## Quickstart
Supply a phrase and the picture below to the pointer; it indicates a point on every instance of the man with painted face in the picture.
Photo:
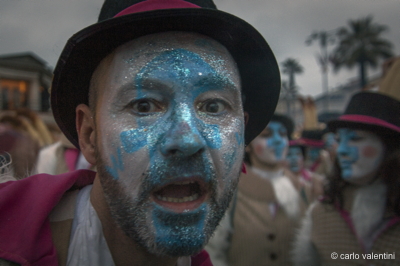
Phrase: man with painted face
(152, 96)
(267, 207)
(357, 222)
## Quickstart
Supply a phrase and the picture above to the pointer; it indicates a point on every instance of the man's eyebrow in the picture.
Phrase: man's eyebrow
(125, 89)
(214, 82)
(133, 86)
(217, 82)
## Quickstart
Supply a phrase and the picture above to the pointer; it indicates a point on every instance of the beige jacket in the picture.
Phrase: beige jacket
(265, 216)
(327, 229)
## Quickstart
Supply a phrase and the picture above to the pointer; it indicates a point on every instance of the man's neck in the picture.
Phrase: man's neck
(123, 249)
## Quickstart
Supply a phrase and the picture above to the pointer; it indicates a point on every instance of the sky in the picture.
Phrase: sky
(44, 26)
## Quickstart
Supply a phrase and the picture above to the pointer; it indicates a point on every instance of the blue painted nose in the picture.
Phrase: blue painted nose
(183, 139)
(343, 147)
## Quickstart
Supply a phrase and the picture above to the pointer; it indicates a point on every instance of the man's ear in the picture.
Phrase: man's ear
(85, 126)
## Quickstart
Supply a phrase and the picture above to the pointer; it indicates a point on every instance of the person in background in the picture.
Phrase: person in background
(19, 144)
(61, 157)
(360, 211)
(43, 133)
(312, 183)
(260, 226)
(317, 159)
(330, 144)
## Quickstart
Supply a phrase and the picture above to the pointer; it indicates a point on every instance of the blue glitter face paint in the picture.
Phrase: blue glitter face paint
(271, 145)
(169, 227)
(330, 141)
(360, 153)
(295, 159)
(313, 154)
(117, 164)
(173, 116)
(347, 155)
(278, 141)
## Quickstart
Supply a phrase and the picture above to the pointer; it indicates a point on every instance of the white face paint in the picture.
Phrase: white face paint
(271, 146)
(170, 132)
(360, 153)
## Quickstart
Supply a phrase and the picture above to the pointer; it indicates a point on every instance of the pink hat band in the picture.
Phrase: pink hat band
(369, 120)
(151, 5)
(296, 142)
(313, 143)
(370, 110)
(307, 142)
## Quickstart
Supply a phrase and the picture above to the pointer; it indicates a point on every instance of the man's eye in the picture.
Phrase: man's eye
(213, 107)
(145, 106)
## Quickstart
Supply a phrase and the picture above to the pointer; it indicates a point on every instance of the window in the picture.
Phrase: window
(14, 94)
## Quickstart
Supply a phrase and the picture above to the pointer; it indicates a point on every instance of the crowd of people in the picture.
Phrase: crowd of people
(29, 146)
(170, 152)
(289, 210)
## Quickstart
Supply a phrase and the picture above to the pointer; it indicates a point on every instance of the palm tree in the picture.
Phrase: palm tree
(361, 44)
(291, 67)
(324, 38)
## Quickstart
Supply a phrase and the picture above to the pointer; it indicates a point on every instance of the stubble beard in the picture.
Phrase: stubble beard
(135, 216)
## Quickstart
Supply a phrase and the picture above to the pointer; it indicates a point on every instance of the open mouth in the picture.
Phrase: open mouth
(181, 196)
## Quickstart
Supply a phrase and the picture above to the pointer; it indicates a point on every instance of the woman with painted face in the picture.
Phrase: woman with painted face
(267, 207)
(311, 183)
(357, 222)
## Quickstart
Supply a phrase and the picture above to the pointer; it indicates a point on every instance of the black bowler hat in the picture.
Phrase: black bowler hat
(370, 111)
(127, 20)
(312, 138)
(286, 121)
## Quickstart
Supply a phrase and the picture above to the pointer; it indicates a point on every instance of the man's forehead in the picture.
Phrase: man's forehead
(147, 47)
(130, 58)
(165, 40)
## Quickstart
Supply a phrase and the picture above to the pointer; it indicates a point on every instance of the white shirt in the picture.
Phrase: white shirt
(87, 244)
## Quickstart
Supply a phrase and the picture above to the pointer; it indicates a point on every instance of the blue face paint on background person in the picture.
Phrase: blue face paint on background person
(172, 148)
(278, 140)
(313, 154)
(330, 141)
(270, 147)
(360, 153)
(295, 159)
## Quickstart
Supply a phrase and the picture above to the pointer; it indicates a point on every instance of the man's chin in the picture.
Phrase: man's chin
(180, 234)
(166, 227)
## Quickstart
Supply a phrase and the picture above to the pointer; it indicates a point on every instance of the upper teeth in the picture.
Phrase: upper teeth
(184, 182)
(184, 199)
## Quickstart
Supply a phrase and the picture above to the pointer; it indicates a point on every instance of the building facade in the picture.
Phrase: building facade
(328, 105)
(24, 82)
